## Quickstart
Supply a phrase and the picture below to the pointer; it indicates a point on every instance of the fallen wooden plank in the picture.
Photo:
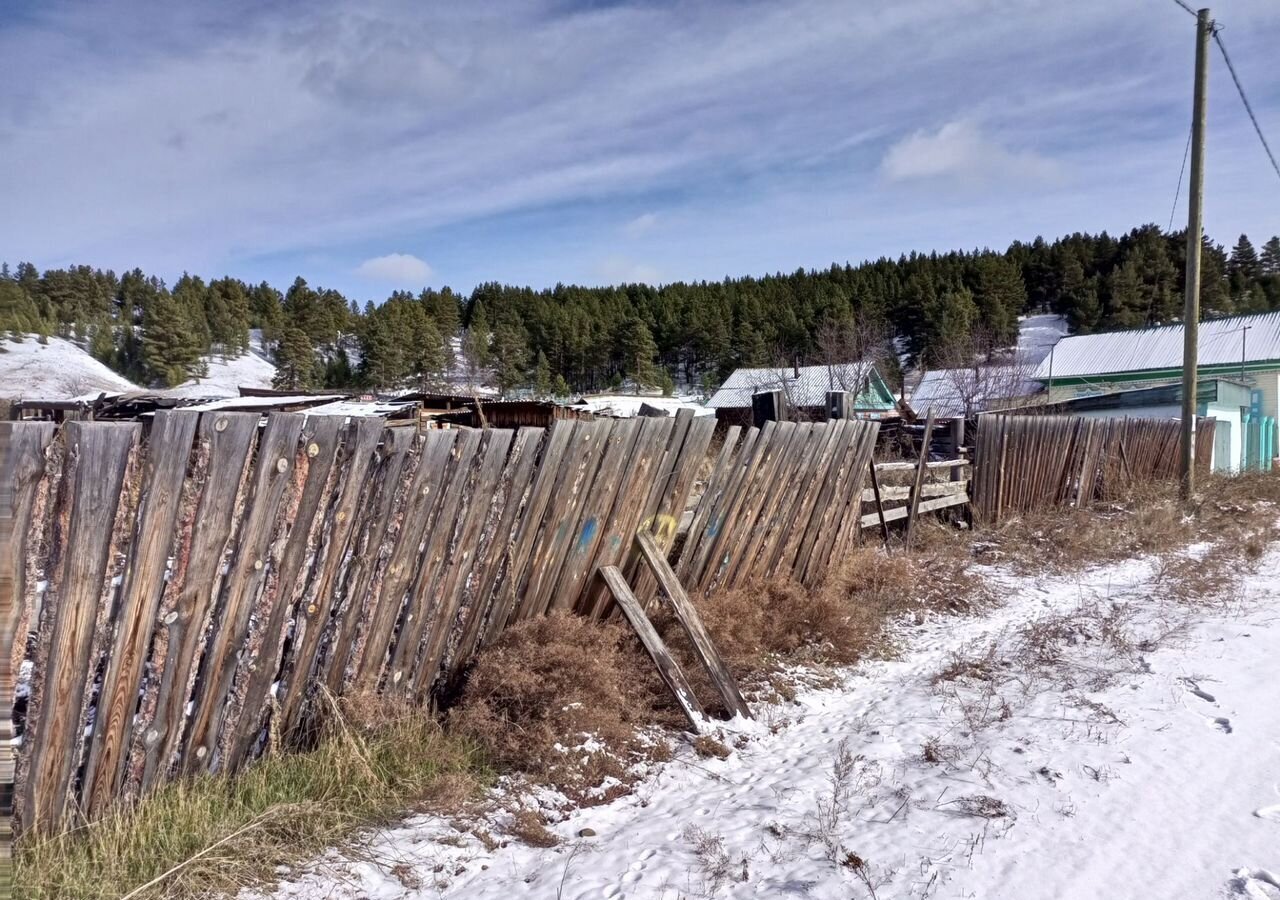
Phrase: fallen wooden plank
(653, 644)
(691, 622)
(892, 515)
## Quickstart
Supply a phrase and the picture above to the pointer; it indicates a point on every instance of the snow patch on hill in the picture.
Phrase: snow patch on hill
(57, 370)
(226, 375)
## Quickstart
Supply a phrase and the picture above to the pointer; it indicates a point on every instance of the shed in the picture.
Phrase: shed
(805, 391)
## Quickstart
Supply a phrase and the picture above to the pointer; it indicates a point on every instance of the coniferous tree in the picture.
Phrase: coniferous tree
(636, 351)
(171, 347)
(509, 352)
(295, 361)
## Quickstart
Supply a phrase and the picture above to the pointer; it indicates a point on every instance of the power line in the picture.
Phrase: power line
(1181, 172)
(1184, 6)
(1239, 87)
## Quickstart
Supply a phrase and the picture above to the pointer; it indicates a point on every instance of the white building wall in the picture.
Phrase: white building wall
(1174, 411)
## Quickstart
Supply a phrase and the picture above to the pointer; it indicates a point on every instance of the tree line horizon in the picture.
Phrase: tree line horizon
(939, 309)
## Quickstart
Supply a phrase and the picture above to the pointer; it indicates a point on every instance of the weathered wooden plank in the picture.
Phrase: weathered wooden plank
(433, 486)
(913, 505)
(261, 660)
(168, 452)
(815, 484)
(841, 522)
(788, 478)
(209, 520)
(592, 522)
(368, 553)
(808, 531)
(481, 601)
(903, 492)
(320, 599)
(701, 528)
(755, 451)
(273, 472)
(582, 459)
(452, 552)
(764, 491)
(97, 457)
(893, 515)
(628, 511)
(23, 462)
(654, 646)
(687, 615)
(515, 562)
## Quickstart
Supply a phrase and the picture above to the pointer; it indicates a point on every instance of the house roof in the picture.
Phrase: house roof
(804, 386)
(1148, 349)
(949, 393)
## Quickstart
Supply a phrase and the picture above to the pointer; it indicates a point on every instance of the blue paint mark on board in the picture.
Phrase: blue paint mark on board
(588, 532)
(714, 528)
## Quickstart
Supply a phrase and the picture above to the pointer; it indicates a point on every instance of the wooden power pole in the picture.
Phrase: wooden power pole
(1195, 228)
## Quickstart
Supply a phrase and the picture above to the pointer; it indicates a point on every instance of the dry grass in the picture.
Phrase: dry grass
(212, 836)
(555, 699)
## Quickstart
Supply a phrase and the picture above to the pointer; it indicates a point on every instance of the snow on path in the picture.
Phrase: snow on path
(1153, 772)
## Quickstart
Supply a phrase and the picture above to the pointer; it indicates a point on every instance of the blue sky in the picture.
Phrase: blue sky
(399, 144)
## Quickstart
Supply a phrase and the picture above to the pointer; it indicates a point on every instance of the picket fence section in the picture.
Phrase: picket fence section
(192, 589)
(1024, 463)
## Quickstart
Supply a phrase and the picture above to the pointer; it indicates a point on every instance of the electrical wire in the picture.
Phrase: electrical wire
(1181, 172)
(1187, 8)
(1243, 98)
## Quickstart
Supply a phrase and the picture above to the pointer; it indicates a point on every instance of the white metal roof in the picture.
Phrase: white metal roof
(948, 393)
(1161, 348)
(807, 388)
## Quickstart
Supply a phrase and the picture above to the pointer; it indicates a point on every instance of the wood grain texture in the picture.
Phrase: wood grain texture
(670, 671)
(97, 456)
(23, 462)
(227, 440)
(318, 607)
(285, 583)
(168, 452)
(273, 472)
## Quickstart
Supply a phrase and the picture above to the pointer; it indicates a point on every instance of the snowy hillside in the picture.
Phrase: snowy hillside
(57, 370)
(226, 376)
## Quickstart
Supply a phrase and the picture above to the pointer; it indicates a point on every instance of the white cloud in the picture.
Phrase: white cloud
(959, 151)
(640, 225)
(620, 270)
(396, 268)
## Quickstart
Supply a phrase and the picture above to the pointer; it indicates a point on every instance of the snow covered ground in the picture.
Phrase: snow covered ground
(57, 370)
(1091, 737)
(1037, 335)
(627, 405)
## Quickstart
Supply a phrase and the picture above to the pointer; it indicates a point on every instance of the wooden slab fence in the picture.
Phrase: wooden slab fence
(195, 588)
(1028, 463)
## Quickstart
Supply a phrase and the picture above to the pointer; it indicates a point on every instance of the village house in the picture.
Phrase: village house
(804, 390)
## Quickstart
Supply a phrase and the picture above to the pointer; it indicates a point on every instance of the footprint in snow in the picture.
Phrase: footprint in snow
(1222, 723)
(1268, 812)
(1195, 689)
(1250, 883)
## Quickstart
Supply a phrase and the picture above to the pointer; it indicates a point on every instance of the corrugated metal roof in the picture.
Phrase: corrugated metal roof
(1161, 348)
(948, 393)
(806, 386)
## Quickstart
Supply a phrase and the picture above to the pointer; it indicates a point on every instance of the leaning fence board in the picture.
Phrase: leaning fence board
(440, 454)
(451, 563)
(208, 522)
(691, 622)
(316, 606)
(23, 462)
(358, 598)
(97, 457)
(273, 473)
(262, 657)
(168, 451)
(653, 644)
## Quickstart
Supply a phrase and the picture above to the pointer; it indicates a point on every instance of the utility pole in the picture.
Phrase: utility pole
(1195, 227)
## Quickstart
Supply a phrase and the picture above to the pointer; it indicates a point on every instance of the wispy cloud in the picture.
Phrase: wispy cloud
(401, 269)
(960, 152)
(640, 225)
